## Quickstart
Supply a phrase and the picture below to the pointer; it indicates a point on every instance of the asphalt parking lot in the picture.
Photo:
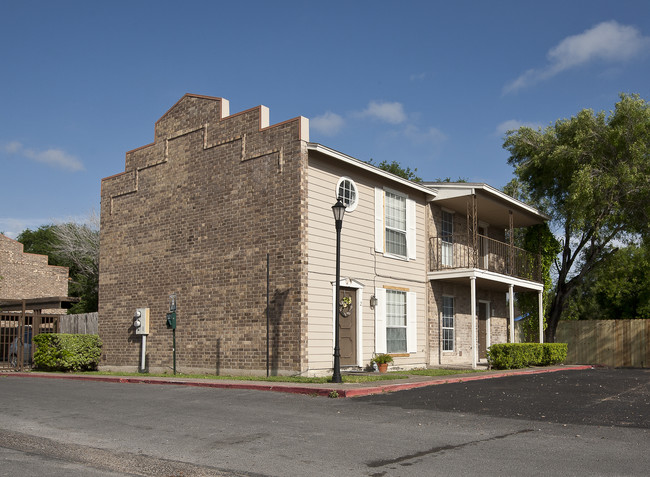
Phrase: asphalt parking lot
(568, 422)
(599, 397)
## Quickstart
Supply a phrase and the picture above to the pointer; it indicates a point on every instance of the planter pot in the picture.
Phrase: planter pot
(383, 367)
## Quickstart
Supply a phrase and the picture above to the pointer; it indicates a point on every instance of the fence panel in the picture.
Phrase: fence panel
(83, 324)
(617, 343)
(16, 334)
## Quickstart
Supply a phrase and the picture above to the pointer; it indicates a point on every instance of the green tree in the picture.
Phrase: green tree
(448, 180)
(394, 167)
(42, 241)
(591, 175)
(617, 289)
(73, 245)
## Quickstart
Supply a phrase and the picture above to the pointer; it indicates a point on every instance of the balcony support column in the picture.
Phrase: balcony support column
(540, 304)
(511, 239)
(472, 229)
(472, 281)
(511, 304)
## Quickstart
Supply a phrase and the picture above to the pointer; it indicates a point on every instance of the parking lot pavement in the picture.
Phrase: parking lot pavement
(50, 426)
(599, 396)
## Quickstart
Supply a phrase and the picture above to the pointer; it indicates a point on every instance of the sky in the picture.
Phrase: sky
(433, 85)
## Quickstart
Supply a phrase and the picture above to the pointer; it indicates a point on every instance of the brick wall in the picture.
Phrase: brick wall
(27, 275)
(463, 324)
(195, 214)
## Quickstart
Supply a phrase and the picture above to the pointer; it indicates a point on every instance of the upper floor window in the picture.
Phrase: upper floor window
(395, 224)
(346, 190)
(446, 233)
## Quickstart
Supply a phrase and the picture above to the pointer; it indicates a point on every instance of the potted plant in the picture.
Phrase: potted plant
(382, 361)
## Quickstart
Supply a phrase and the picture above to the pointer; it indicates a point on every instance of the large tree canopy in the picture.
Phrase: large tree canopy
(73, 245)
(396, 168)
(618, 288)
(591, 175)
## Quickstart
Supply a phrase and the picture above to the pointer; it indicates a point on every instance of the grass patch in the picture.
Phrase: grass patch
(347, 378)
(440, 372)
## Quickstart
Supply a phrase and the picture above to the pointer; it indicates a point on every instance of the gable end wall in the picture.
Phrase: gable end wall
(195, 214)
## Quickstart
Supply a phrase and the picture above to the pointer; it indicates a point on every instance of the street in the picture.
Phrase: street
(502, 426)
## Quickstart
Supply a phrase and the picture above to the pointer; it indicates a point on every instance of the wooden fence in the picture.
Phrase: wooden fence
(84, 324)
(617, 343)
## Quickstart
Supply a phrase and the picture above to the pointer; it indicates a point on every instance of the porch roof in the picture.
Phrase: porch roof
(486, 279)
(493, 205)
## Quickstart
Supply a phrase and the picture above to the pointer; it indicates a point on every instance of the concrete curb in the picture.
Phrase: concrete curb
(341, 390)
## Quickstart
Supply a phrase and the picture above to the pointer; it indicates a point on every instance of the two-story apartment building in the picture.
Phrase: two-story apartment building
(196, 212)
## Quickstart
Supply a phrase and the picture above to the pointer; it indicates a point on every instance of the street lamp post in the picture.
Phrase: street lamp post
(339, 211)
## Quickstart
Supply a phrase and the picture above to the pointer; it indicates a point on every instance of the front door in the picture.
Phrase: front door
(348, 327)
(482, 329)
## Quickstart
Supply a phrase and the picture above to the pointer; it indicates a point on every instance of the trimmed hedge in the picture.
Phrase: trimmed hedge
(66, 352)
(522, 355)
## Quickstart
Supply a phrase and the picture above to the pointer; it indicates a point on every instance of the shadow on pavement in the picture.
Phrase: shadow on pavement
(599, 397)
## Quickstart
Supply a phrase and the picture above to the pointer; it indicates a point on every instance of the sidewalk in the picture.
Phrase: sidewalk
(314, 389)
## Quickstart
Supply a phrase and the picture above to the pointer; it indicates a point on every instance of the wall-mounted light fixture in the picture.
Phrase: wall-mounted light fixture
(373, 301)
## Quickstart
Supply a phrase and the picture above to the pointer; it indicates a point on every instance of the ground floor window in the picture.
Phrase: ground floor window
(395, 321)
(447, 323)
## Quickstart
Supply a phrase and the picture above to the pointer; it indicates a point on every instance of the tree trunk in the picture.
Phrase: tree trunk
(555, 312)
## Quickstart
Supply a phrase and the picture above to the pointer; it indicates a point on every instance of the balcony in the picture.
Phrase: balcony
(458, 252)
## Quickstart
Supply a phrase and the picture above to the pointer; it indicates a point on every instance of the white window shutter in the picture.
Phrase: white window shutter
(411, 323)
(410, 228)
(380, 321)
(379, 219)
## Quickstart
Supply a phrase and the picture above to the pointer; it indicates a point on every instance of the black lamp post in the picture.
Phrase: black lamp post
(339, 212)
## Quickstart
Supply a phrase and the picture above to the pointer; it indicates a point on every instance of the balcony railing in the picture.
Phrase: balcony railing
(457, 251)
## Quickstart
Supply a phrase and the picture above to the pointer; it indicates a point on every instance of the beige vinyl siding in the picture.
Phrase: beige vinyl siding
(359, 261)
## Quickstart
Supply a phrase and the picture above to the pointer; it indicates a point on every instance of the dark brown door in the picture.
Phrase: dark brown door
(482, 330)
(348, 327)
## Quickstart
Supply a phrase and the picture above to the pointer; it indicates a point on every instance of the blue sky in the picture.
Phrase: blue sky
(431, 84)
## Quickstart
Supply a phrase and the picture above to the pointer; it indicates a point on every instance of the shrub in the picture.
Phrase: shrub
(65, 352)
(521, 355)
(382, 358)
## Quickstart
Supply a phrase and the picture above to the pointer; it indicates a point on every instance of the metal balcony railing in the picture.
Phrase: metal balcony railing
(457, 251)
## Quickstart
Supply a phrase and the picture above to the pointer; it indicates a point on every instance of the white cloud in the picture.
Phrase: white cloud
(51, 157)
(328, 124)
(513, 124)
(607, 41)
(392, 113)
(418, 77)
(429, 135)
(11, 227)
(13, 147)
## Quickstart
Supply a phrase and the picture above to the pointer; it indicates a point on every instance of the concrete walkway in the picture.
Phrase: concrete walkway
(315, 389)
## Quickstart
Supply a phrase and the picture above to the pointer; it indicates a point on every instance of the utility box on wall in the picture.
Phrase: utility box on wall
(141, 321)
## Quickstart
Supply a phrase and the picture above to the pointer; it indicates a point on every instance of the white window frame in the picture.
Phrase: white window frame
(353, 205)
(402, 317)
(380, 321)
(443, 328)
(380, 224)
(447, 239)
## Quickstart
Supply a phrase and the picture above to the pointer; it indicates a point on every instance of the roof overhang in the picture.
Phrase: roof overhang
(312, 146)
(493, 205)
(486, 280)
(46, 303)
